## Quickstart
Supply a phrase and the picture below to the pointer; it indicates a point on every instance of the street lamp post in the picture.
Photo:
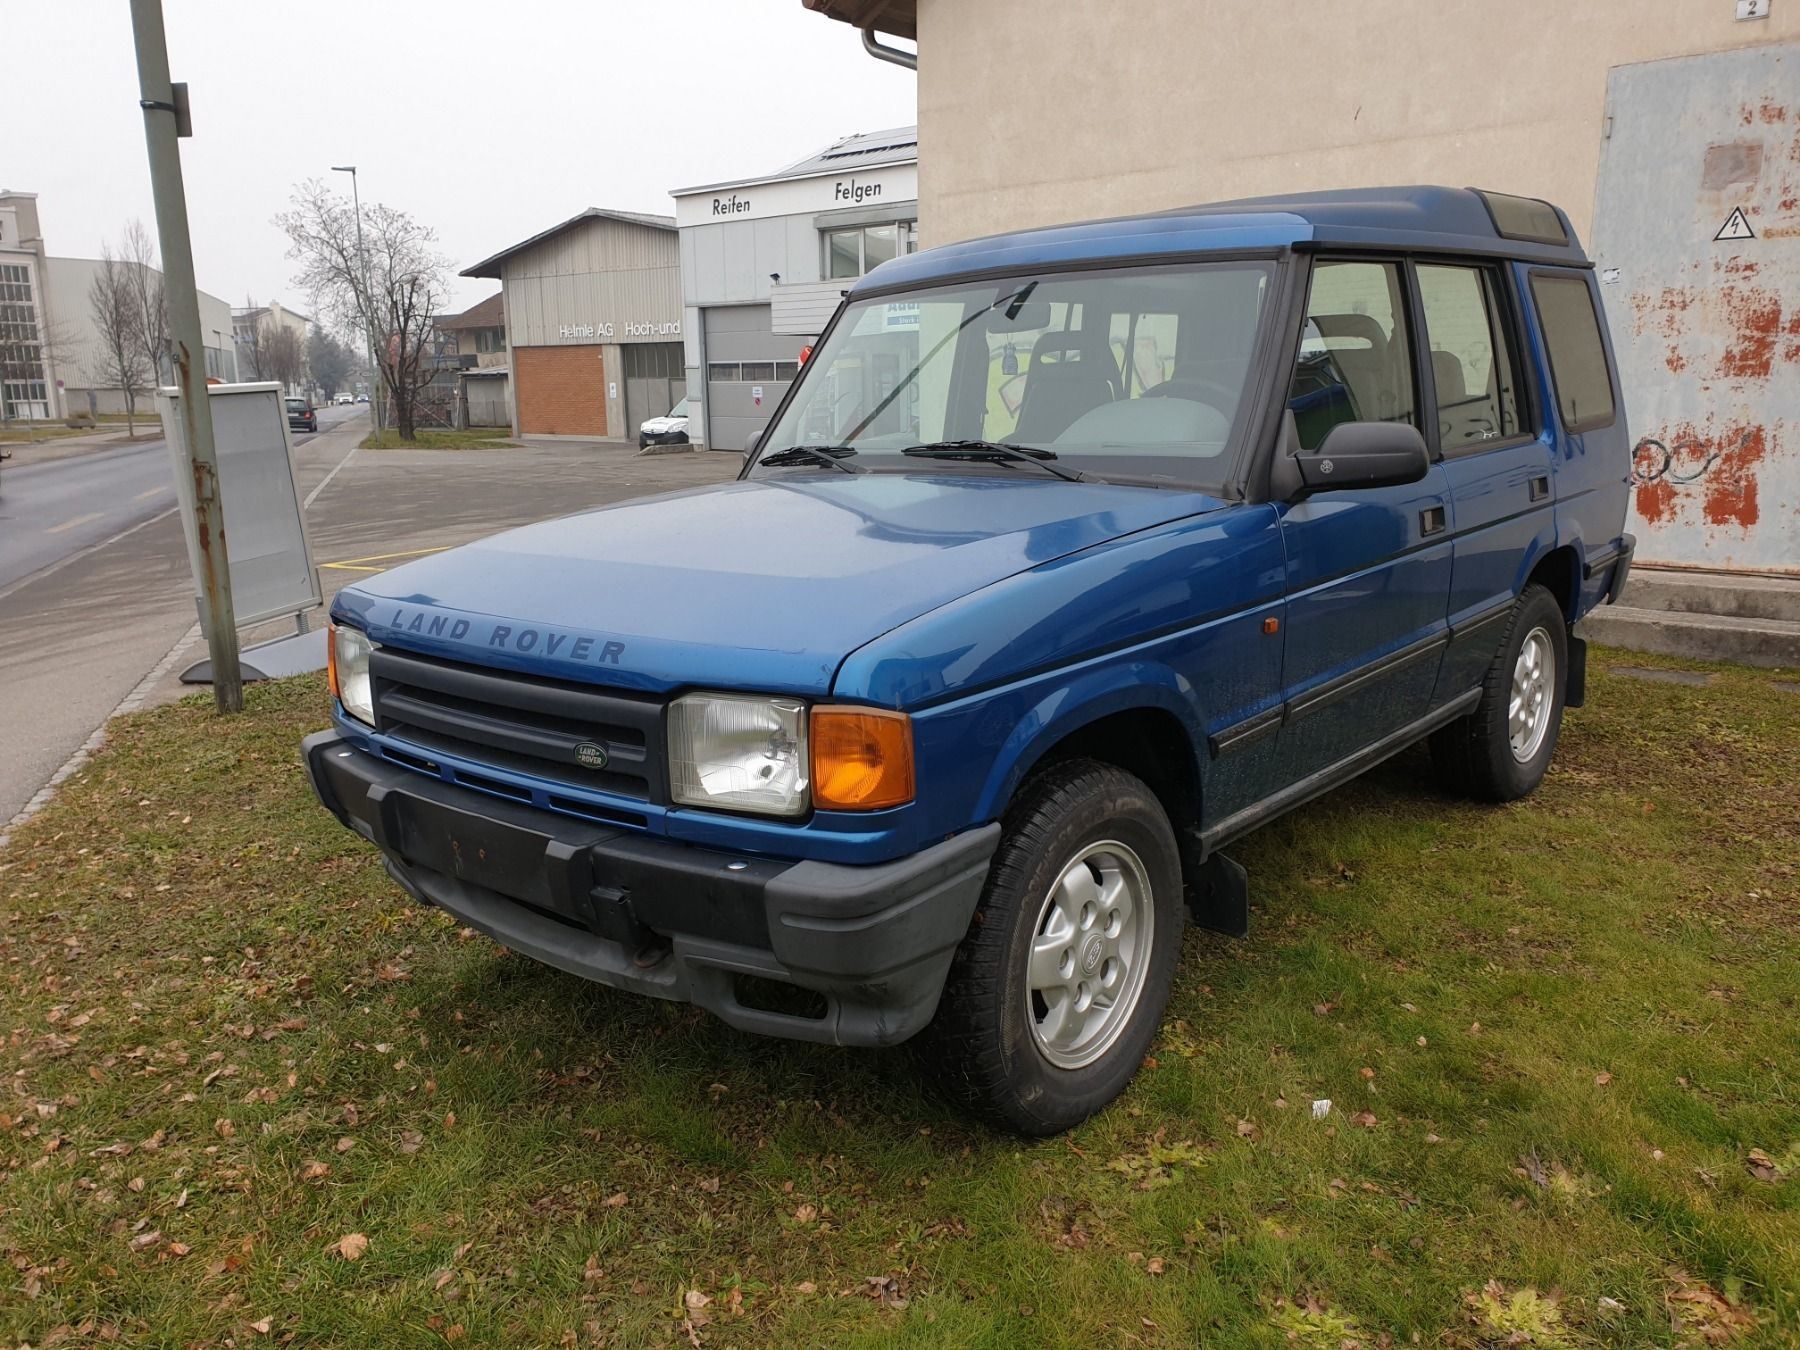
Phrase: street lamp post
(368, 305)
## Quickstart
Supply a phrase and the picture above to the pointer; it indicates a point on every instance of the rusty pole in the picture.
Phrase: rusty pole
(165, 120)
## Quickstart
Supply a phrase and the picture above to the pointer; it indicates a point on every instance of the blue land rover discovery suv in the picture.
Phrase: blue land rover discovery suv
(1073, 555)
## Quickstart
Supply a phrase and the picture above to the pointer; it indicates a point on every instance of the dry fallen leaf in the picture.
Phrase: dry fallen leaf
(1155, 1265)
(351, 1246)
(806, 1213)
(345, 1144)
(1366, 1119)
(224, 1128)
(261, 1328)
(617, 1200)
(1602, 1078)
(1761, 1166)
(1247, 1129)
(806, 1287)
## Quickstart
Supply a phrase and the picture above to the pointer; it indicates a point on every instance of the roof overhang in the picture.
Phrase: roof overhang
(898, 18)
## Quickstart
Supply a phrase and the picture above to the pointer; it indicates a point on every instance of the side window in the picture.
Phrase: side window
(1473, 365)
(1355, 361)
(1565, 308)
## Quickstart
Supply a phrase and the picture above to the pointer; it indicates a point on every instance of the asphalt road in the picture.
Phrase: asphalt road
(51, 510)
(111, 597)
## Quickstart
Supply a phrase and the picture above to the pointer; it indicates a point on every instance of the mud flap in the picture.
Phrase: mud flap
(1219, 896)
(1575, 687)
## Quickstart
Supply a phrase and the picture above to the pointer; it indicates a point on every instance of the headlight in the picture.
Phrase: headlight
(348, 671)
(738, 752)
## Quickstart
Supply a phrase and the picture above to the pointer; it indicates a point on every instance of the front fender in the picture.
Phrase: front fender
(1115, 688)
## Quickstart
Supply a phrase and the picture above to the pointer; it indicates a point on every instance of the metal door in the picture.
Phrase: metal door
(1697, 238)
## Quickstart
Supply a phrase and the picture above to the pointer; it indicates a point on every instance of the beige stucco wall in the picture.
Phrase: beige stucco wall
(1033, 112)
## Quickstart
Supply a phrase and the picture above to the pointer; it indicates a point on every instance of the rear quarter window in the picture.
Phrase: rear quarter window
(1578, 369)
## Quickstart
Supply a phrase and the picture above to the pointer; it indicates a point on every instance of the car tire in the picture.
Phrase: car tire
(1079, 834)
(1501, 751)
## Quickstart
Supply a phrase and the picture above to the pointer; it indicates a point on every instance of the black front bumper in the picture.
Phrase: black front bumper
(648, 438)
(668, 919)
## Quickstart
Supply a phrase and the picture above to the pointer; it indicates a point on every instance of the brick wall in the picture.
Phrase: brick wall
(561, 390)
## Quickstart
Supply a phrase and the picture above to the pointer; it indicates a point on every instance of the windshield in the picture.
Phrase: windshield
(296, 403)
(1131, 373)
(679, 410)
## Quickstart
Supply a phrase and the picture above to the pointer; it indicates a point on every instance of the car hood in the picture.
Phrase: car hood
(664, 424)
(764, 583)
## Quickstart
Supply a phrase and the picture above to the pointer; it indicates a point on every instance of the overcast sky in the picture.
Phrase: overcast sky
(489, 121)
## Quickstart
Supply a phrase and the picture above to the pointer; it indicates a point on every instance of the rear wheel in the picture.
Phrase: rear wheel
(1501, 750)
(1056, 992)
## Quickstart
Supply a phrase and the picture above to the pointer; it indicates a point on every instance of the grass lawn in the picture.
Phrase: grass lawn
(253, 1092)
(437, 438)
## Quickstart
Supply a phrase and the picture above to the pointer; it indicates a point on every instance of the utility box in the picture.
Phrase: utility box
(272, 572)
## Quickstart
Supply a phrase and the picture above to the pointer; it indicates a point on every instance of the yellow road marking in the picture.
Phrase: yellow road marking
(360, 564)
(150, 493)
(71, 524)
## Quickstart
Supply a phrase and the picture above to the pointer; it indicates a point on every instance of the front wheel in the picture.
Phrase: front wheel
(1501, 750)
(1054, 996)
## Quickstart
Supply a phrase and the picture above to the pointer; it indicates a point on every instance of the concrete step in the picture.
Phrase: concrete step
(1693, 592)
(1703, 637)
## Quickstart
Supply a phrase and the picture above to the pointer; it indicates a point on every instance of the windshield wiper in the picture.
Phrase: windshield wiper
(830, 456)
(994, 452)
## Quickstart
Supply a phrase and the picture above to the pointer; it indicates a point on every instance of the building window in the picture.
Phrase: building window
(787, 370)
(758, 370)
(850, 253)
(24, 384)
(721, 370)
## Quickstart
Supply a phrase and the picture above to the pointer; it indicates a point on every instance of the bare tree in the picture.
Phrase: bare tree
(146, 288)
(283, 355)
(389, 289)
(253, 358)
(119, 351)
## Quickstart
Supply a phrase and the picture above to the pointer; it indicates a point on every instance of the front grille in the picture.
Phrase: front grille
(530, 726)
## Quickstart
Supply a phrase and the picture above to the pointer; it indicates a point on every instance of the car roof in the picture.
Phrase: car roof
(1425, 219)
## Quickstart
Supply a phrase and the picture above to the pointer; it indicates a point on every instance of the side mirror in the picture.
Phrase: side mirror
(754, 441)
(1364, 455)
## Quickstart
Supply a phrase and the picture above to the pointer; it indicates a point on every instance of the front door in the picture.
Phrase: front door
(1368, 571)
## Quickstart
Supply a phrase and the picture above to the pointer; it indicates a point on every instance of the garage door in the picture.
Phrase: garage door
(748, 369)
(562, 390)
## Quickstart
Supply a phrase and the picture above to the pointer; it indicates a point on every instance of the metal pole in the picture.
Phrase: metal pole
(164, 119)
(368, 306)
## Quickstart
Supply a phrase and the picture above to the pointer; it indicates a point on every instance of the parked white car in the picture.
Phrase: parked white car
(671, 429)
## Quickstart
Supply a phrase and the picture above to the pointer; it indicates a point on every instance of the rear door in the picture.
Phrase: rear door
(1368, 570)
(1498, 464)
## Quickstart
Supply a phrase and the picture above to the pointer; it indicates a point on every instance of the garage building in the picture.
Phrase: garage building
(593, 316)
(765, 260)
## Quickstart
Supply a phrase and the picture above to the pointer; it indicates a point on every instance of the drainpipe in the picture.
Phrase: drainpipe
(882, 52)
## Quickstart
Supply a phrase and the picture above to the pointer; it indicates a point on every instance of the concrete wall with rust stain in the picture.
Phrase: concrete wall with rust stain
(1707, 329)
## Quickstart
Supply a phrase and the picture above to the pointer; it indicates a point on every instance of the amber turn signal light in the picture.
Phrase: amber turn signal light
(862, 758)
(331, 680)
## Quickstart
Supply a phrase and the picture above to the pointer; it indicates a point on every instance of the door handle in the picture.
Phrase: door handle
(1540, 487)
(1431, 520)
